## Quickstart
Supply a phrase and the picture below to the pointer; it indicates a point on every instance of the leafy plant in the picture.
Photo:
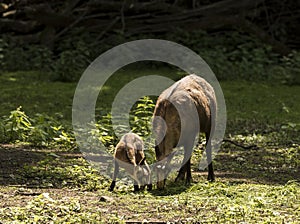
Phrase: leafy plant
(44, 130)
(140, 122)
(104, 131)
(17, 126)
(140, 117)
(292, 68)
(40, 130)
(64, 139)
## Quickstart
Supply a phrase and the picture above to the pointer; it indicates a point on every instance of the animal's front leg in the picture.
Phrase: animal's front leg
(149, 184)
(116, 172)
(135, 186)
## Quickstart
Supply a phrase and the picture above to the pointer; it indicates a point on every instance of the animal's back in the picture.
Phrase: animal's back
(190, 88)
(188, 83)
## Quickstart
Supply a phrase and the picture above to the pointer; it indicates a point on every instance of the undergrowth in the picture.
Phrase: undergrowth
(231, 56)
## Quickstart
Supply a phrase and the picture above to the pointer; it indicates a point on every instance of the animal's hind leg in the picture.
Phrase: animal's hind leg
(188, 172)
(211, 175)
(186, 168)
(116, 172)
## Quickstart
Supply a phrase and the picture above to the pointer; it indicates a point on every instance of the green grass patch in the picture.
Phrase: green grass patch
(202, 202)
(36, 94)
(267, 101)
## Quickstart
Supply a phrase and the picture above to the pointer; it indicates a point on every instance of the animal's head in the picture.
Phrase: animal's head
(162, 168)
(142, 174)
(162, 172)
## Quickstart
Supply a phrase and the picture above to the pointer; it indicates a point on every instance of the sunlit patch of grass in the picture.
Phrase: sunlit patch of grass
(260, 102)
(60, 172)
(36, 94)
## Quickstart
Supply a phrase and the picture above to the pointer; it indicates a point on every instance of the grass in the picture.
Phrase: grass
(213, 203)
(270, 102)
(36, 94)
(256, 185)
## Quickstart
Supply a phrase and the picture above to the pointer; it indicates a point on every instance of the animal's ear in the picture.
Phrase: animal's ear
(142, 161)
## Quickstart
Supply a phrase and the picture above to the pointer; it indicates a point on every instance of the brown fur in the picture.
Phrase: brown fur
(129, 154)
(188, 93)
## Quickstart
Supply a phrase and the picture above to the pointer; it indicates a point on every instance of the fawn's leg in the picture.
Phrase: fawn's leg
(116, 172)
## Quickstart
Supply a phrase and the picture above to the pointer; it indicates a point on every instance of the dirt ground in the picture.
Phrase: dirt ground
(15, 191)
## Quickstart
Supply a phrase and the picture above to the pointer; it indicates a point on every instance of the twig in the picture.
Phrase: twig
(122, 16)
(71, 25)
(108, 28)
(28, 193)
(240, 145)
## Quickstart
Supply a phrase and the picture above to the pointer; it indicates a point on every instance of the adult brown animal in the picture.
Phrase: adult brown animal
(186, 108)
(129, 154)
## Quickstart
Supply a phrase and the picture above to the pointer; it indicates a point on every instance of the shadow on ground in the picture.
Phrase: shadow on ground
(14, 159)
(239, 166)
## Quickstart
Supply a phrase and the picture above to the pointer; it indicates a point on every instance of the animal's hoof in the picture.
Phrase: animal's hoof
(111, 188)
(136, 188)
(112, 185)
(180, 177)
(211, 178)
(149, 187)
(188, 182)
(160, 185)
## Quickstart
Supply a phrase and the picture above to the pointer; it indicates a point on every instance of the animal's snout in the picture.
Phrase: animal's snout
(162, 171)
(142, 175)
(160, 184)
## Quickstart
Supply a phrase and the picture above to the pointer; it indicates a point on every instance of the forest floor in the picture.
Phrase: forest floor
(258, 185)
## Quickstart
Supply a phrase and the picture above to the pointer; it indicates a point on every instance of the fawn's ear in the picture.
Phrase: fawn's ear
(142, 161)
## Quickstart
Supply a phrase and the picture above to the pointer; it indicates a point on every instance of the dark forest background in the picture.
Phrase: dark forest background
(63, 37)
